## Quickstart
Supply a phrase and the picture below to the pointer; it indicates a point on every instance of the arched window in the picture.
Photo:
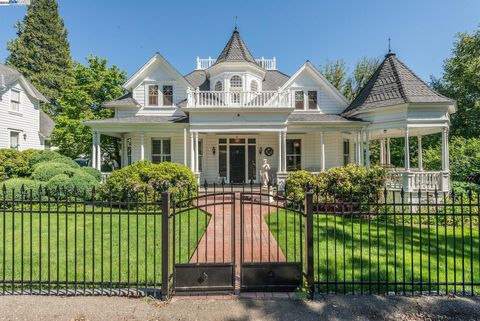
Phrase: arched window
(218, 86)
(236, 82)
(253, 86)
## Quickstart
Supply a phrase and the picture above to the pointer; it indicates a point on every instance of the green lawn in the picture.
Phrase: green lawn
(113, 246)
(394, 252)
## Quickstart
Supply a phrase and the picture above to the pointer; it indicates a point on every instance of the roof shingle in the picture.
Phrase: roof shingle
(235, 50)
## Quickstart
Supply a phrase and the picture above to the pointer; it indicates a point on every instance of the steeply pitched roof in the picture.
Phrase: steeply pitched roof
(235, 50)
(394, 83)
(124, 101)
(11, 75)
(46, 124)
(274, 79)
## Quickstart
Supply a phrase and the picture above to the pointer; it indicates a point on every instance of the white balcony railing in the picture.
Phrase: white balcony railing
(265, 63)
(238, 99)
(418, 180)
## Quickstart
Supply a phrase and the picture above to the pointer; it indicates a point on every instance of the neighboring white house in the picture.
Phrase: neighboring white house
(230, 113)
(23, 125)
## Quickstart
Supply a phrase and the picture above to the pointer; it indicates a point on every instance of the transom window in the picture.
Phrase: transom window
(15, 100)
(161, 150)
(294, 154)
(253, 86)
(153, 95)
(218, 86)
(14, 140)
(167, 95)
(299, 100)
(236, 82)
(312, 99)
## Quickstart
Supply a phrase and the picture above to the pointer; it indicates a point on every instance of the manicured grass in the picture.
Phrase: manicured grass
(94, 245)
(354, 251)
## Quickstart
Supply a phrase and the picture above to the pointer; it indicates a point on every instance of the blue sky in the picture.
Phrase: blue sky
(128, 33)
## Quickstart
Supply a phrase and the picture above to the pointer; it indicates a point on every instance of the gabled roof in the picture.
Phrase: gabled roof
(9, 75)
(393, 83)
(46, 124)
(124, 101)
(235, 50)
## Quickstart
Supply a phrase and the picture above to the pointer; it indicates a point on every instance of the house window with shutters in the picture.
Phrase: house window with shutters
(153, 95)
(161, 150)
(167, 95)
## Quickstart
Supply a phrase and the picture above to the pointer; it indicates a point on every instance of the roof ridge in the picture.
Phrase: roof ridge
(398, 81)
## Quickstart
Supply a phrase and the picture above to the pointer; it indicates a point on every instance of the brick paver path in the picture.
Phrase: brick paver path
(258, 243)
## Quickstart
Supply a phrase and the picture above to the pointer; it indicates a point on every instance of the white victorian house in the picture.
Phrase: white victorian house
(23, 125)
(230, 113)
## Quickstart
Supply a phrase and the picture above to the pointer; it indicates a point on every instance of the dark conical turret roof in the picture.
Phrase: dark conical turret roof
(235, 50)
(391, 84)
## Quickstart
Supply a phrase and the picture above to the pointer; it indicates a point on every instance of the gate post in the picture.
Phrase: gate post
(309, 239)
(165, 244)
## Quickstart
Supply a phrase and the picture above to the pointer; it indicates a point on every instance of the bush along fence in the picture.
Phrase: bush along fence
(378, 242)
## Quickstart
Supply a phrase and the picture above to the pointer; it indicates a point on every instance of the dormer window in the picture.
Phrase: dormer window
(236, 82)
(312, 99)
(167, 95)
(218, 86)
(153, 95)
(253, 86)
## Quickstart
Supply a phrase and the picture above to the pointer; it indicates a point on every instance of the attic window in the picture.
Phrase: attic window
(153, 95)
(299, 100)
(167, 95)
(236, 82)
(218, 86)
(253, 86)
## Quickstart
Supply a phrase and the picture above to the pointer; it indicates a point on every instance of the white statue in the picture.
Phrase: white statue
(264, 173)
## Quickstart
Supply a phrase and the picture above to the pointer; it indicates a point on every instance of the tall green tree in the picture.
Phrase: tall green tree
(349, 84)
(93, 84)
(41, 51)
(461, 82)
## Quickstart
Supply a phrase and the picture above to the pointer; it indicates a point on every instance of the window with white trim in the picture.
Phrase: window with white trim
(153, 95)
(236, 82)
(167, 92)
(14, 140)
(346, 152)
(218, 86)
(312, 99)
(253, 86)
(15, 100)
(294, 154)
(129, 151)
(200, 155)
(161, 150)
(299, 100)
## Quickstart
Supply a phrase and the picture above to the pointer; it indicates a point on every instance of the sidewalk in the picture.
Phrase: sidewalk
(233, 309)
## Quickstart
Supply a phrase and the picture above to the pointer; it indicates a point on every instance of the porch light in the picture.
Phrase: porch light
(260, 150)
(24, 136)
(237, 140)
(296, 144)
(214, 150)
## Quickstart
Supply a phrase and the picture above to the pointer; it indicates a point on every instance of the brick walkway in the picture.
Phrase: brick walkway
(259, 244)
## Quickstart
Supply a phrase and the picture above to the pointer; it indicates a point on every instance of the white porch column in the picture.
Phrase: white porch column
(367, 147)
(94, 150)
(420, 153)
(445, 153)
(388, 152)
(196, 152)
(142, 146)
(99, 151)
(280, 152)
(382, 151)
(322, 152)
(284, 153)
(192, 152)
(185, 146)
(407, 150)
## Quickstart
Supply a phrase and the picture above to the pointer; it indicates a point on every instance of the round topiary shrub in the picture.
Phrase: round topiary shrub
(78, 185)
(137, 178)
(84, 184)
(13, 189)
(50, 156)
(45, 171)
(60, 183)
(92, 172)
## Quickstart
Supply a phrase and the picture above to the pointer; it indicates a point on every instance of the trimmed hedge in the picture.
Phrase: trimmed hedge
(92, 172)
(50, 156)
(147, 177)
(45, 171)
(14, 185)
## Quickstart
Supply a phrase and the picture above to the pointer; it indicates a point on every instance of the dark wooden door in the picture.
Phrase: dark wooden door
(237, 164)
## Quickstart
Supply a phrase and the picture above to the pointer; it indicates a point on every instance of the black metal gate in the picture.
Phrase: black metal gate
(203, 238)
(271, 235)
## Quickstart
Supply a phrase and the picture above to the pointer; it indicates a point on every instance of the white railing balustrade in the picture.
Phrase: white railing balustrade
(265, 63)
(426, 180)
(414, 181)
(238, 99)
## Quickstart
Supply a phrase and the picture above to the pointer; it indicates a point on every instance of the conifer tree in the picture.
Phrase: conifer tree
(41, 51)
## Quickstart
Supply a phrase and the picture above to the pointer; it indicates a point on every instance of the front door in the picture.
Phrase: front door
(237, 164)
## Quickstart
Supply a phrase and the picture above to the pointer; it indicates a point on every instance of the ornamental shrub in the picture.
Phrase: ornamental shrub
(50, 156)
(147, 177)
(13, 187)
(62, 182)
(45, 171)
(14, 163)
(92, 172)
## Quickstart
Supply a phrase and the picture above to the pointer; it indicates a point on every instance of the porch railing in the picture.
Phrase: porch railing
(422, 180)
(265, 63)
(238, 99)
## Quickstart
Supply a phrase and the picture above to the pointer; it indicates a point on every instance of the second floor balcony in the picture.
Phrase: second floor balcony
(247, 99)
